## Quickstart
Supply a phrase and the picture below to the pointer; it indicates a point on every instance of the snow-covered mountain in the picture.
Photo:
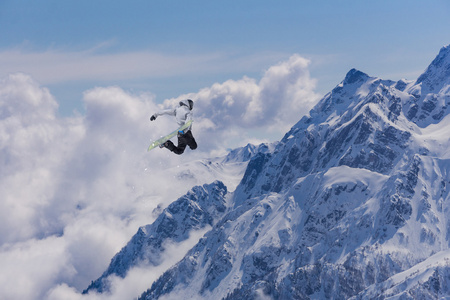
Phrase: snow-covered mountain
(351, 203)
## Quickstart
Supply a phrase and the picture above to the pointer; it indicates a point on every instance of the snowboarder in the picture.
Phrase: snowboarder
(183, 114)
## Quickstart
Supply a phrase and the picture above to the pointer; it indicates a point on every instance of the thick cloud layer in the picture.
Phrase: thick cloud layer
(74, 190)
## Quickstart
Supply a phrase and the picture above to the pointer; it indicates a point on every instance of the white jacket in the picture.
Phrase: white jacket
(182, 113)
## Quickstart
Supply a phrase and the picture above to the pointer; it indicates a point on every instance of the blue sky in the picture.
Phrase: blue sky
(168, 48)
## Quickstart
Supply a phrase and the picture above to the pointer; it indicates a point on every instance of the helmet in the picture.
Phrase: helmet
(191, 104)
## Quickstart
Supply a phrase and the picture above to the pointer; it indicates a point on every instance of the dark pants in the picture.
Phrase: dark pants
(184, 140)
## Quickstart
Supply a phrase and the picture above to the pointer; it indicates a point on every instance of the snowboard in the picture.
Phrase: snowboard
(169, 136)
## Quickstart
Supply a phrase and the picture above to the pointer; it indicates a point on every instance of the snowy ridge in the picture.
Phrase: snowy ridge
(431, 92)
(351, 203)
(436, 78)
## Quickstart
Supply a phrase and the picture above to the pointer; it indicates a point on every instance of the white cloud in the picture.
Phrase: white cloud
(287, 91)
(30, 268)
(236, 109)
(29, 155)
(74, 190)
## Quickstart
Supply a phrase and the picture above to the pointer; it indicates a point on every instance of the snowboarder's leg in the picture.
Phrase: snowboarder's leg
(168, 144)
(190, 140)
(184, 140)
(176, 149)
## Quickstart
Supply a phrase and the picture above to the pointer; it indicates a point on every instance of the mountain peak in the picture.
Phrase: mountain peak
(437, 75)
(244, 154)
(429, 104)
(355, 75)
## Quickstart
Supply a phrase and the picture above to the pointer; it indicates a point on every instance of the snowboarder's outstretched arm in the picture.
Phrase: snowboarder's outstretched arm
(170, 112)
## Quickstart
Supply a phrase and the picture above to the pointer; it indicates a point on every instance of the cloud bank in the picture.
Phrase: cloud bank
(75, 189)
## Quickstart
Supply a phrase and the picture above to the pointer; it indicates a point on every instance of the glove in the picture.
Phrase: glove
(180, 132)
(153, 118)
